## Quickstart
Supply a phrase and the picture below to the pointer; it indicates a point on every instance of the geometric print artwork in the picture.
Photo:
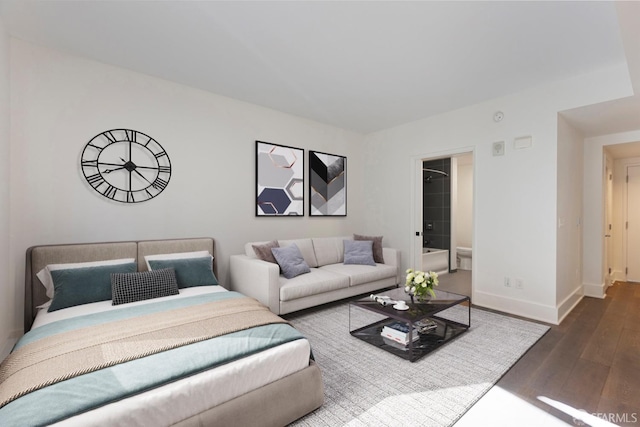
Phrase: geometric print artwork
(279, 180)
(327, 184)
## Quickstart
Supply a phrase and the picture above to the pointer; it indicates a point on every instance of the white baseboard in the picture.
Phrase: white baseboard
(618, 276)
(595, 290)
(569, 303)
(535, 311)
(9, 343)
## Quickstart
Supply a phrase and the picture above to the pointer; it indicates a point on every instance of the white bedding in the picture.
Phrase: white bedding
(174, 402)
(43, 317)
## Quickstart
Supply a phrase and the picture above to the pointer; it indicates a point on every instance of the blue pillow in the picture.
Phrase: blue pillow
(290, 260)
(359, 252)
(76, 286)
(190, 272)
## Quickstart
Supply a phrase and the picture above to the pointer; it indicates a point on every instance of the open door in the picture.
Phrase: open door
(632, 225)
(608, 240)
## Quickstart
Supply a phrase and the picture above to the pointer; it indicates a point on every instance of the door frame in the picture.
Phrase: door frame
(608, 220)
(625, 207)
(416, 202)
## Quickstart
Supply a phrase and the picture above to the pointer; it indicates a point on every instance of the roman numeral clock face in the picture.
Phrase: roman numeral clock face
(126, 165)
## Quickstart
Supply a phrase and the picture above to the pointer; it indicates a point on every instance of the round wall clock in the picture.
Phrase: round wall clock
(126, 165)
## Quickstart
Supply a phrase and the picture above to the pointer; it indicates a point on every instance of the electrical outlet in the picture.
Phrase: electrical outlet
(519, 284)
(507, 282)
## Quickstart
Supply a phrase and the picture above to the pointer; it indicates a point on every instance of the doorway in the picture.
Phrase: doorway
(621, 204)
(632, 225)
(443, 219)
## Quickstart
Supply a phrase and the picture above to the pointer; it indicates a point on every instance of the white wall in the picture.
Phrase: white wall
(569, 234)
(59, 102)
(6, 286)
(593, 274)
(515, 195)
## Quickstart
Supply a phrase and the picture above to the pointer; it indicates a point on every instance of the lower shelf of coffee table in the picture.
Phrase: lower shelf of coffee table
(445, 332)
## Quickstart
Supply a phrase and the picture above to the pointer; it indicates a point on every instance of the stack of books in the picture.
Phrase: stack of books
(425, 326)
(398, 334)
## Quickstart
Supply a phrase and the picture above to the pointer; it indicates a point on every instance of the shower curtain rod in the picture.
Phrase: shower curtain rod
(436, 171)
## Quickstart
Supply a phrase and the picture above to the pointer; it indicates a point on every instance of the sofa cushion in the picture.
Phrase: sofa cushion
(315, 282)
(359, 274)
(377, 246)
(248, 248)
(329, 250)
(306, 248)
(290, 260)
(358, 252)
(264, 253)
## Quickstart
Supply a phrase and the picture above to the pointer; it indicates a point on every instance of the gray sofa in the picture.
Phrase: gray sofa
(329, 279)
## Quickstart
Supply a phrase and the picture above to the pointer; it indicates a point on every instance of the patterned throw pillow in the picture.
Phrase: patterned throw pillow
(377, 246)
(131, 287)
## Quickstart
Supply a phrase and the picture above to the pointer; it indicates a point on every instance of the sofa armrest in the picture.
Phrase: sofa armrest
(257, 279)
(392, 257)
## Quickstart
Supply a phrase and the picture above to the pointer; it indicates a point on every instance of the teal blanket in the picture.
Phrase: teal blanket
(83, 393)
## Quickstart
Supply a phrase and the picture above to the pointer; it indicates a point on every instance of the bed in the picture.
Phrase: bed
(234, 372)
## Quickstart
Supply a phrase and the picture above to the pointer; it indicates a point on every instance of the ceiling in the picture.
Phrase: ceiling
(623, 151)
(358, 65)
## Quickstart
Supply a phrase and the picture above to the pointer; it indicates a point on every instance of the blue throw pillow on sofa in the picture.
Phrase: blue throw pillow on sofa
(290, 260)
(359, 252)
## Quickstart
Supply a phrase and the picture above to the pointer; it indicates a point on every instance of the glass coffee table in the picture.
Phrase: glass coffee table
(429, 320)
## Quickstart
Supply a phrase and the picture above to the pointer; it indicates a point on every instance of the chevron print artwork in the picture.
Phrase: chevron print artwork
(327, 184)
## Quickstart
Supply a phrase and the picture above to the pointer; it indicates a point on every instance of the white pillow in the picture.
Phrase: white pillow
(45, 274)
(45, 305)
(179, 255)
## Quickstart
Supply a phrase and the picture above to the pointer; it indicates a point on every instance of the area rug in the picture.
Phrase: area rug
(366, 386)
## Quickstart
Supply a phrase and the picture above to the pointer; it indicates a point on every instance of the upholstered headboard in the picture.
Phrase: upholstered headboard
(39, 257)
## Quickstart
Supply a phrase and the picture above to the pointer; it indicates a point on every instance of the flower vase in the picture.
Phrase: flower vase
(421, 298)
(416, 298)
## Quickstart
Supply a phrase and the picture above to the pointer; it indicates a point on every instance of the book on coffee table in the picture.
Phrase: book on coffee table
(425, 326)
(399, 332)
(395, 344)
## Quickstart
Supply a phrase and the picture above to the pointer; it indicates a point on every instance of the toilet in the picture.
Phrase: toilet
(464, 258)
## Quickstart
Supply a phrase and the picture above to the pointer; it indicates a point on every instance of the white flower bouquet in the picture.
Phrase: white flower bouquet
(420, 283)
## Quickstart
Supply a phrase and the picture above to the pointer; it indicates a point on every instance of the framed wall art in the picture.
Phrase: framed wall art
(279, 180)
(327, 184)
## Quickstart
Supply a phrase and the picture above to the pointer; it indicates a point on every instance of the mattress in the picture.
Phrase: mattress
(173, 402)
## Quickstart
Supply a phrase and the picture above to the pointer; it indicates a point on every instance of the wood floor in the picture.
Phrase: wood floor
(591, 361)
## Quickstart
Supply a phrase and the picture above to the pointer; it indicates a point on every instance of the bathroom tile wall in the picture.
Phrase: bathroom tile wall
(437, 204)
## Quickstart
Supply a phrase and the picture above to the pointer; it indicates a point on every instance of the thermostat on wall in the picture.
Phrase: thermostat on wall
(498, 148)
(522, 142)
